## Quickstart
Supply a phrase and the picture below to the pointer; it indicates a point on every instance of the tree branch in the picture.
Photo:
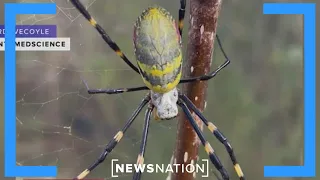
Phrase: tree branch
(202, 30)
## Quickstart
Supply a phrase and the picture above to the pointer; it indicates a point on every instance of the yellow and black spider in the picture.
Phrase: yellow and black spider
(157, 47)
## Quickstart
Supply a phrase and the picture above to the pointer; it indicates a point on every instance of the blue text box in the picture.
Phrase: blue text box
(308, 11)
(11, 169)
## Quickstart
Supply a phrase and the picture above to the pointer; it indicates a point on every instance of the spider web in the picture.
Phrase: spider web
(58, 123)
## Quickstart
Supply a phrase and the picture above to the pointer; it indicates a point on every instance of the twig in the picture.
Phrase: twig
(202, 30)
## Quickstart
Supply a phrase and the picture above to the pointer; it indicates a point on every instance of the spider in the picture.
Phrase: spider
(157, 43)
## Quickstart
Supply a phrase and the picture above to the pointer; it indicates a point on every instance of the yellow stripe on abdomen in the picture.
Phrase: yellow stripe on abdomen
(164, 87)
(166, 69)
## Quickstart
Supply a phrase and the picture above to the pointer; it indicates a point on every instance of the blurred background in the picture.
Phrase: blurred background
(257, 101)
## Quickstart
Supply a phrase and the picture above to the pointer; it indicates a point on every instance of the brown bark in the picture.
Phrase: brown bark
(202, 30)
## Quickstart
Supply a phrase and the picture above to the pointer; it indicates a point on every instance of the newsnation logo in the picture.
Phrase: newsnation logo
(36, 38)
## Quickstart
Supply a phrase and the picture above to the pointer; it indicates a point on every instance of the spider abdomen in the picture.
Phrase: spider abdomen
(158, 49)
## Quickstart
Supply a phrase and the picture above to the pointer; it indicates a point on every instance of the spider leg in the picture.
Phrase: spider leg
(182, 11)
(112, 91)
(213, 157)
(213, 73)
(214, 130)
(103, 34)
(116, 91)
(116, 139)
(143, 145)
